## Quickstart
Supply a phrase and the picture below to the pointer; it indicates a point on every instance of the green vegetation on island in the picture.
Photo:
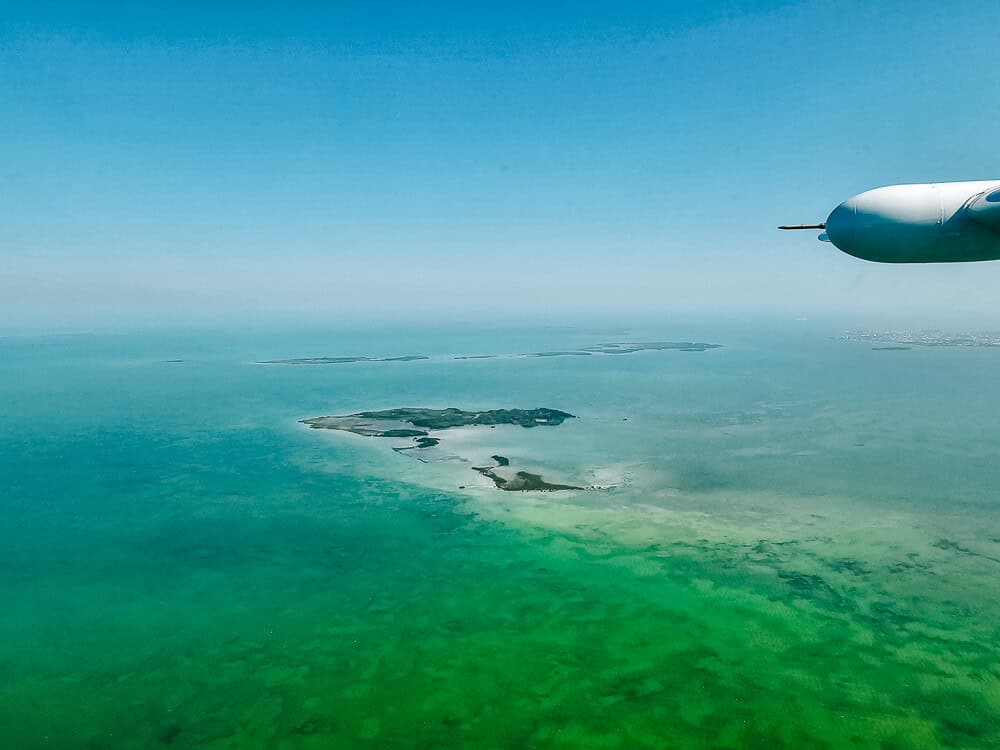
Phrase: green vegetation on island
(518, 481)
(392, 423)
(365, 422)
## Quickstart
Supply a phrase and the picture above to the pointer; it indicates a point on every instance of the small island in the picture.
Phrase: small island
(630, 348)
(652, 346)
(619, 347)
(341, 360)
(518, 481)
(416, 423)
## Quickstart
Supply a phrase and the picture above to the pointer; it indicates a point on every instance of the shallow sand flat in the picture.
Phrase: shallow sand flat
(544, 453)
(475, 448)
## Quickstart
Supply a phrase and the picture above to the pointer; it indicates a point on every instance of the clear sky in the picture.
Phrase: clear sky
(164, 160)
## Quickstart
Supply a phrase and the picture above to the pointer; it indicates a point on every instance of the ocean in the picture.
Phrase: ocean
(790, 541)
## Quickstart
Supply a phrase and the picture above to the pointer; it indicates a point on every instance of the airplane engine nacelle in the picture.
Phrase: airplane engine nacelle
(934, 223)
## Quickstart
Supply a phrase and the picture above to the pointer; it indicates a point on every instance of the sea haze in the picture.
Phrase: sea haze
(787, 540)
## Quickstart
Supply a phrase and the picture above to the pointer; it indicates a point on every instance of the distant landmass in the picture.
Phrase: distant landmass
(340, 360)
(609, 348)
(888, 340)
(559, 354)
(630, 348)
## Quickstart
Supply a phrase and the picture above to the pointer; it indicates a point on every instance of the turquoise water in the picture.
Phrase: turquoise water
(799, 545)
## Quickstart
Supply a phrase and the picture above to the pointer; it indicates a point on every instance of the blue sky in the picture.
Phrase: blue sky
(164, 161)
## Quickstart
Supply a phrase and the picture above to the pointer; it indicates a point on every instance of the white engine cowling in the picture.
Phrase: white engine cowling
(932, 223)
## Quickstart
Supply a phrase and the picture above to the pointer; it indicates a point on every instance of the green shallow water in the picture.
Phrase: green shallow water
(806, 554)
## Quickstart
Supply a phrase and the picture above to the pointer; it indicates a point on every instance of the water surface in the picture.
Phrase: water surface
(800, 547)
